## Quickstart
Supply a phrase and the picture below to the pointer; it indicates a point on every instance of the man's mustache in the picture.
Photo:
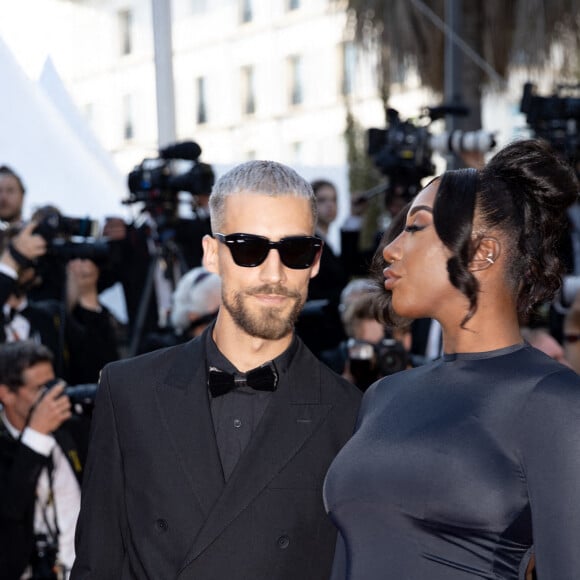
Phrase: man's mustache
(278, 290)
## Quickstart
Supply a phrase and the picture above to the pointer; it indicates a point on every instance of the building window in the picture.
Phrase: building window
(349, 57)
(125, 31)
(248, 90)
(295, 73)
(128, 128)
(247, 11)
(292, 4)
(201, 102)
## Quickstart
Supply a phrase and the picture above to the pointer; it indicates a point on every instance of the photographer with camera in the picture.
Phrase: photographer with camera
(41, 454)
(80, 334)
(371, 350)
(150, 254)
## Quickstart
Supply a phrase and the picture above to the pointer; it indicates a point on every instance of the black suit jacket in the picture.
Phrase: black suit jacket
(20, 468)
(155, 504)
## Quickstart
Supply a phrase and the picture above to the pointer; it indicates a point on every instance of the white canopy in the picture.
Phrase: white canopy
(50, 148)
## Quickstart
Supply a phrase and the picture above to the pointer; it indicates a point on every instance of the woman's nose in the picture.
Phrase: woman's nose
(392, 251)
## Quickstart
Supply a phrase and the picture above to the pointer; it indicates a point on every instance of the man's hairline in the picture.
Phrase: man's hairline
(291, 194)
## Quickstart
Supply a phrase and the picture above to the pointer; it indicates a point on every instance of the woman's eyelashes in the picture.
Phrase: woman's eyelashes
(412, 228)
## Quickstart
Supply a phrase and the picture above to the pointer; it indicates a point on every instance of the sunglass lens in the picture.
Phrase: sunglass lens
(249, 251)
(299, 252)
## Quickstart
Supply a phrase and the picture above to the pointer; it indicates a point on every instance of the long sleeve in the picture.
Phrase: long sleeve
(339, 563)
(551, 457)
(101, 530)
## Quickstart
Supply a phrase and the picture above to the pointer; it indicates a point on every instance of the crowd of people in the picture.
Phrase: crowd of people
(236, 442)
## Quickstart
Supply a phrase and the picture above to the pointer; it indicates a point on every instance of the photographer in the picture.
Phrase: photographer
(371, 350)
(41, 455)
(150, 254)
(80, 334)
(11, 195)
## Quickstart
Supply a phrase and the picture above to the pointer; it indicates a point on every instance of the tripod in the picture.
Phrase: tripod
(168, 254)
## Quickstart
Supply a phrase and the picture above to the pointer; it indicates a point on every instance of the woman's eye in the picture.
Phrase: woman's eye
(413, 228)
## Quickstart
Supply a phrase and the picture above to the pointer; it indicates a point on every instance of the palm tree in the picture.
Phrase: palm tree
(505, 33)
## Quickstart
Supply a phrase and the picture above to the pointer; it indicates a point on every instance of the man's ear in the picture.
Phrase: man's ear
(487, 252)
(316, 266)
(5, 393)
(210, 254)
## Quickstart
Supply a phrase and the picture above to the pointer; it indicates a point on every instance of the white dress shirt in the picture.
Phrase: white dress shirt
(67, 493)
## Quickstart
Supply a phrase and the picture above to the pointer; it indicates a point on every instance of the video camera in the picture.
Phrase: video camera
(62, 235)
(403, 151)
(156, 182)
(555, 118)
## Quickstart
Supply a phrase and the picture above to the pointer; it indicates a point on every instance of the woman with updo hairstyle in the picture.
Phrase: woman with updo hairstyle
(469, 466)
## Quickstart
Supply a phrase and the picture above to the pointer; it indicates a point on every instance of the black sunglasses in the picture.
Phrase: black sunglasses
(248, 250)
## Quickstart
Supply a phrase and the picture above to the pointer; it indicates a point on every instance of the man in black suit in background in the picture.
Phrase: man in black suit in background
(207, 459)
(80, 334)
(40, 465)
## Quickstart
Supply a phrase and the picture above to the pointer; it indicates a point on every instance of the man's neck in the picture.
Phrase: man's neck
(13, 425)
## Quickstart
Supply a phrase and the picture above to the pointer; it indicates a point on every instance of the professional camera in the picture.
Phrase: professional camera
(369, 362)
(82, 394)
(82, 397)
(62, 235)
(158, 181)
(43, 563)
(403, 151)
(555, 118)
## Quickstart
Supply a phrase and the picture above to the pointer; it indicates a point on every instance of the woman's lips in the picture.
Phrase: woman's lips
(390, 278)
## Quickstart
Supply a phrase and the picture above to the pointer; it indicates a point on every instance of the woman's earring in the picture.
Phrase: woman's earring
(490, 259)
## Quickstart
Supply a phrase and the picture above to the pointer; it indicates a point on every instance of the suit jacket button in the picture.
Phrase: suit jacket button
(161, 525)
(283, 542)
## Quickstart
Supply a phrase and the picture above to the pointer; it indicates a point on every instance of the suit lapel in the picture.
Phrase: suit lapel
(183, 403)
(292, 417)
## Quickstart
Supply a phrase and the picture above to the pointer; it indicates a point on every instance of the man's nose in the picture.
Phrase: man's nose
(272, 269)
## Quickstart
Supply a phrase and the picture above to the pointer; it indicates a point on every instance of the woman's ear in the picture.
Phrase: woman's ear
(486, 254)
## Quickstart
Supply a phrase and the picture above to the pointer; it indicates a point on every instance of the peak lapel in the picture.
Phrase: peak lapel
(183, 403)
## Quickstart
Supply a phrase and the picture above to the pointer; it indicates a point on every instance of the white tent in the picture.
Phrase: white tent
(57, 165)
(53, 87)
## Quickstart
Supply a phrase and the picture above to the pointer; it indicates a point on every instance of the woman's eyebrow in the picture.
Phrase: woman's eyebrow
(417, 208)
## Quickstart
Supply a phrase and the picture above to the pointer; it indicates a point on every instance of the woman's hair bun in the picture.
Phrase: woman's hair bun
(532, 168)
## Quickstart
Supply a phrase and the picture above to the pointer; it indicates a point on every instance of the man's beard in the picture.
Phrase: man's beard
(267, 323)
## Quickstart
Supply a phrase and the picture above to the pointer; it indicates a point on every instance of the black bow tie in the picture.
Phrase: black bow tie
(263, 378)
